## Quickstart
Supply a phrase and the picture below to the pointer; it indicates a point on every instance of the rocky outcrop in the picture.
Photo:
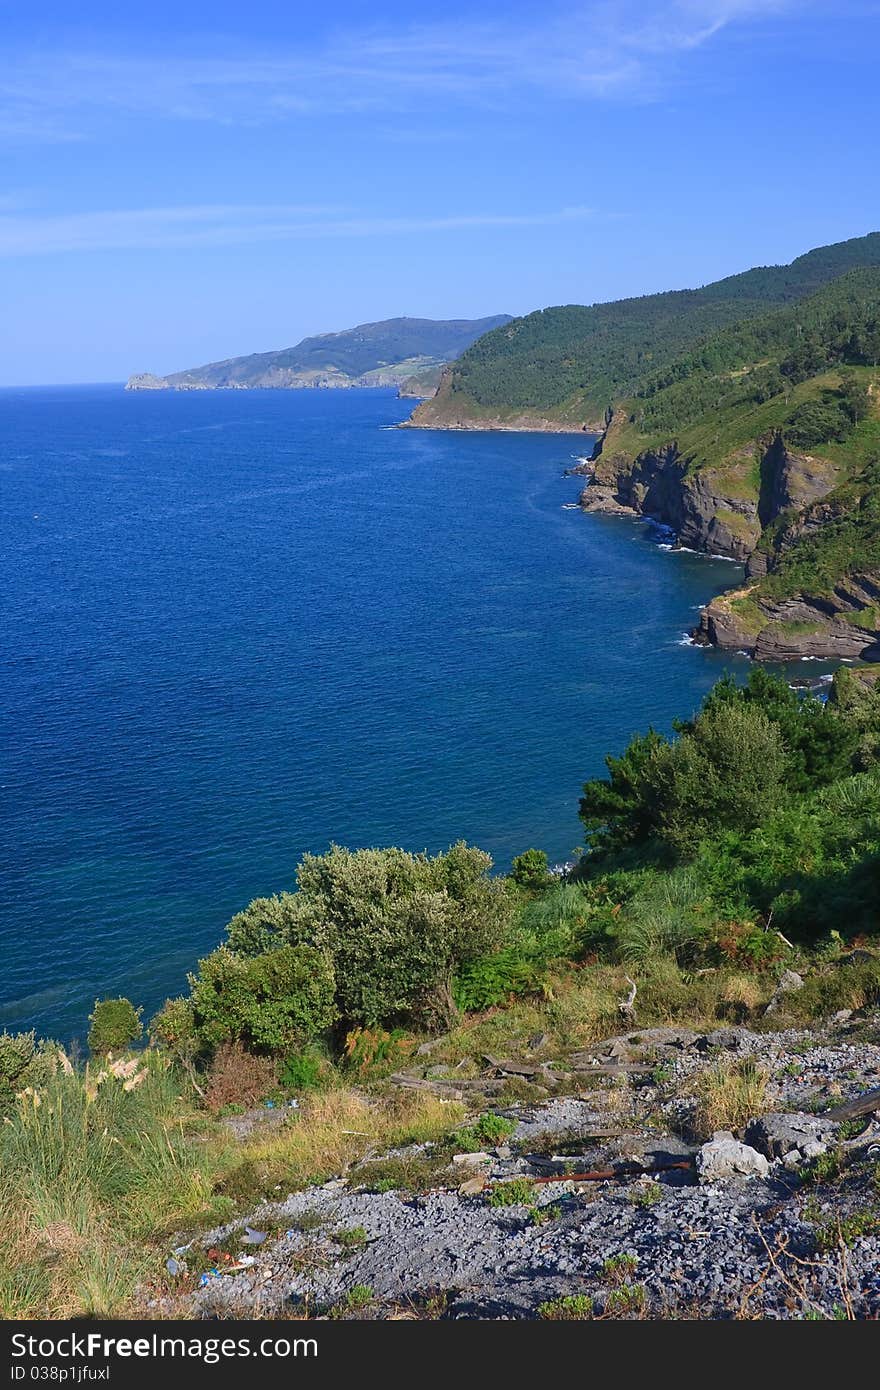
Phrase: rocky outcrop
(843, 625)
(751, 508)
(722, 510)
(709, 509)
(146, 381)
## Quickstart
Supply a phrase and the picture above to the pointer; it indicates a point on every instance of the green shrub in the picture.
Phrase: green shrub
(174, 1027)
(265, 924)
(304, 1071)
(24, 1062)
(577, 1307)
(269, 1003)
(489, 1130)
(115, 1025)
(529, 870)
(516, 1192)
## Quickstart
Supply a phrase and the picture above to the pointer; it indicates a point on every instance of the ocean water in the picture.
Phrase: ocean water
(238, 626)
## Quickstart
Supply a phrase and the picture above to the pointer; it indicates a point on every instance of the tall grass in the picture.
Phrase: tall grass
(98, 1169)
(93, 1170)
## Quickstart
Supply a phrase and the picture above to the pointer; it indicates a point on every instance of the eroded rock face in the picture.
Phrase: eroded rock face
(752, 509)
(704, 514)
(722, 510)
(843, 625)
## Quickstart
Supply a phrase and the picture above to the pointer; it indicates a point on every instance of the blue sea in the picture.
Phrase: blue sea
(239, 626)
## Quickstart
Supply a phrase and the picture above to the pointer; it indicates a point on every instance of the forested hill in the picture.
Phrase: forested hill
(762, 443)
(372, 354)
(566, 365)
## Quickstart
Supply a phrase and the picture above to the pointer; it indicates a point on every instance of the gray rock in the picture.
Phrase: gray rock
(776, 1135)
(725, 1157)
(790, 981)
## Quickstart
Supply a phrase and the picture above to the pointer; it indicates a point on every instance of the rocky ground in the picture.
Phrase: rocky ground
(778, 1220)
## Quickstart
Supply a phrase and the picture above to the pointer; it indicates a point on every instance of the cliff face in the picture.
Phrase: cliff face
(704, 508)
(752, 509)
(843, 625)
(723, 510)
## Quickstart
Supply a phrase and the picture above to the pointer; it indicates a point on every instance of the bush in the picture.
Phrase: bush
(265, 924)
(115, 1025)
(268, 1003)
(236, 1077)
(304, 1071)
(24, 1062)
(174, 1027)
(529, 870)
(397, 926)
(488, 1131)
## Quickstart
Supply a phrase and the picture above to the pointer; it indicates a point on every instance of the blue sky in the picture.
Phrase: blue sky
(185, 182)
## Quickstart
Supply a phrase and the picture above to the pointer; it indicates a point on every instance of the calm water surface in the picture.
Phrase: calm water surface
(238, 626)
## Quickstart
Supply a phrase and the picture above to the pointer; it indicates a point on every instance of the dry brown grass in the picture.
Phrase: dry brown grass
(729, 1094)
(333, 1131)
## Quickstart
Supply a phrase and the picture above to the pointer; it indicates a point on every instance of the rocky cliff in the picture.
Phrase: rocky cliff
(760, 506)
(841, 625)
(721, 509)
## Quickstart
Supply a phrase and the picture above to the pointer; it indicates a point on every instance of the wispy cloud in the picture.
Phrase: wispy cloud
(218, 225)
(599, 50)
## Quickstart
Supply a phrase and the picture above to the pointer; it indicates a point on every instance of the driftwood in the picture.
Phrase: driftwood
(864, 1104)
(447, 1087)
(516, 1068)
(622, 1170)
(612, 1069)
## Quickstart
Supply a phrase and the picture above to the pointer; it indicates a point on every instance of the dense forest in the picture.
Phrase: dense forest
(572, 361)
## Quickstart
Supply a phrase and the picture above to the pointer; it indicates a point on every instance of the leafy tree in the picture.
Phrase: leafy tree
(616, 811)
(819, 745)
(727, 773)
(400, 926)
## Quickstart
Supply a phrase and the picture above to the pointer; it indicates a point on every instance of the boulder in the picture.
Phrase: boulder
(790, 1137)
(725, 1157)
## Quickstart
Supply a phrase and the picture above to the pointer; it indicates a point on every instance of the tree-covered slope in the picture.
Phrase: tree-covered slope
(370, 354)
(569, 363)
(763, 443)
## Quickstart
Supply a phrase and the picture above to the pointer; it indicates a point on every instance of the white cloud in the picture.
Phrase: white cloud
(220, 225)
(603, 49)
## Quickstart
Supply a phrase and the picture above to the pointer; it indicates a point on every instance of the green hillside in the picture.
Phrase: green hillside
(804, 370)
(569, 363)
